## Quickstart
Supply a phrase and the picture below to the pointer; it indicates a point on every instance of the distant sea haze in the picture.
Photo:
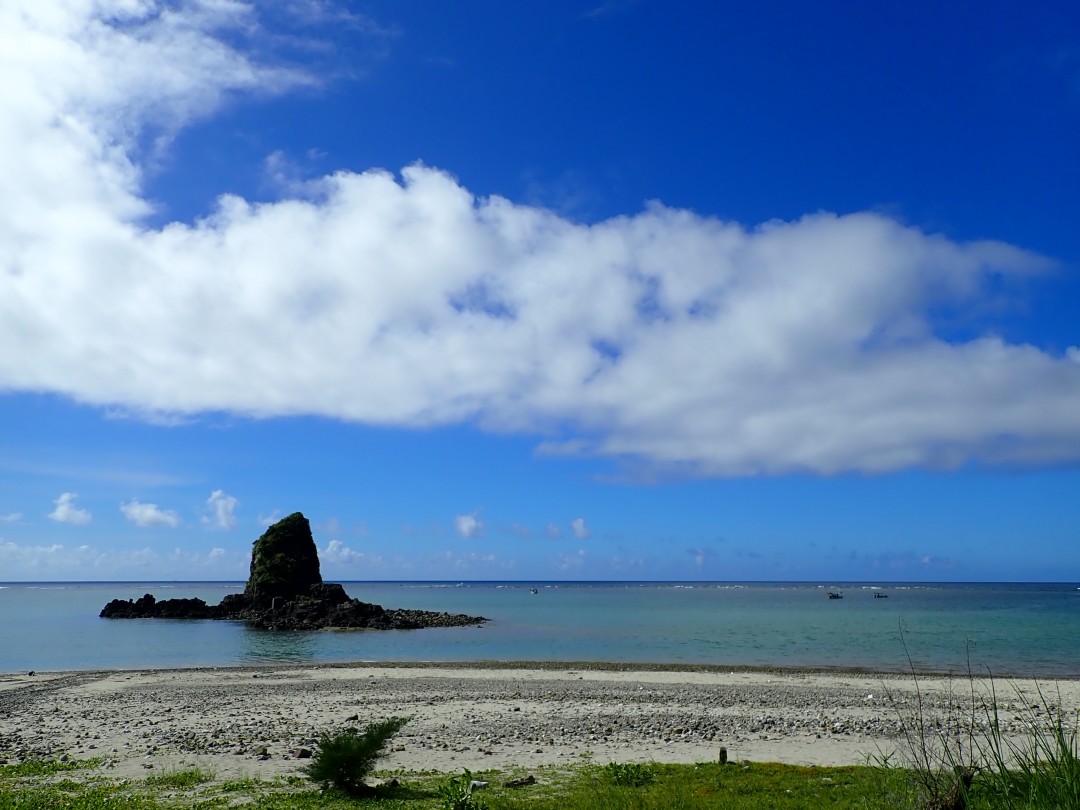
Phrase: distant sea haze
(991, 628)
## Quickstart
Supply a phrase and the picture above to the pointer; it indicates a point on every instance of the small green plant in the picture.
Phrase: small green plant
(347, 758)
(180, 780)
(456, 793)
(627, 774)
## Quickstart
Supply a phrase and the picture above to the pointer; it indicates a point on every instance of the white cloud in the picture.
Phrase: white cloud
(11, 517)
(67, 512)
(220, 510)
(148, 515)
(469, 525)
(337, 553)
(665, 338)
(553, 531)
(578, 527)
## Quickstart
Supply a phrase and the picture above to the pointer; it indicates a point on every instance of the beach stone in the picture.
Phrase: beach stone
(522, 782)
(301, 753)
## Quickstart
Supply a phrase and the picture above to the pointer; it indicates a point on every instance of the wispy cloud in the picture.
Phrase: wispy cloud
(570, 562)
(337, 553)
(610, 7)
(67, 512)
(270, 519)
(97, 473)
(701, 555)
(220, 510)
(578, 527)
(473, 562)
(148, 515)
(11, 517)
(59, 561)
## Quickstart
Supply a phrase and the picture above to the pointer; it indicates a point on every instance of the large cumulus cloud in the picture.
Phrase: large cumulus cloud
(666, 337)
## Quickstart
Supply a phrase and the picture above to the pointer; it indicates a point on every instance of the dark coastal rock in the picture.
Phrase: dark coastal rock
(284, 562)
(147, 607)
(286, 592)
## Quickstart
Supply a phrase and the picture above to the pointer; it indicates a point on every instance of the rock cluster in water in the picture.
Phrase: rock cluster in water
(285, 591)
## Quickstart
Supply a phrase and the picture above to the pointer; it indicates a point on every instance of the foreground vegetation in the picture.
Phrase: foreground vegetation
(585, 786)
(734, 786)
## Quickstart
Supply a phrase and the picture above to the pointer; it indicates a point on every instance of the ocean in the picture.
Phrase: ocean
(998, 629)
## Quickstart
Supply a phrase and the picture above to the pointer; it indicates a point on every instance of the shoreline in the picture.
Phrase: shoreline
(250, 721)
(592, 666)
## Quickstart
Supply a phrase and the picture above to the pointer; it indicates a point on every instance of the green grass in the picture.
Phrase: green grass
(584, 786)
(180, 780)
(1041, 778)
(34, 767)
(627, 774)
(734, 787)
(83, 797)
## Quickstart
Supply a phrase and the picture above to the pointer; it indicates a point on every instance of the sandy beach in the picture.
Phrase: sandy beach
(251, 722)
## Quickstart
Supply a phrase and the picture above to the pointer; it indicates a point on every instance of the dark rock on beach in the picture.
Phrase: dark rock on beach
(285, 591)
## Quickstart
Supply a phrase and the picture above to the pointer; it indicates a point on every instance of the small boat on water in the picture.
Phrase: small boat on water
(533, 591)
(880, 595)
(835, 595)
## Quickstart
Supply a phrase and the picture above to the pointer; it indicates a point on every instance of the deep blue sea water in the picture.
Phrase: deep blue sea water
(1004, 629)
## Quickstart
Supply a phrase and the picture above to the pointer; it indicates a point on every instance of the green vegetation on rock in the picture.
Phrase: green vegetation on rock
(284, 561)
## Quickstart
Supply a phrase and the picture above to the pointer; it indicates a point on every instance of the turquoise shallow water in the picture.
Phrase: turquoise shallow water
(1004, 629)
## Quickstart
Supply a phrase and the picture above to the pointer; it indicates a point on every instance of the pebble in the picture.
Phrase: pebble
(290, 713)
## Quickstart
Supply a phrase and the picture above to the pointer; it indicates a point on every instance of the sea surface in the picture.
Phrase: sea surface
(999, 629)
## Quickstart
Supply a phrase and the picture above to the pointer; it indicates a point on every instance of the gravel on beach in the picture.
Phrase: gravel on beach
(260, 721)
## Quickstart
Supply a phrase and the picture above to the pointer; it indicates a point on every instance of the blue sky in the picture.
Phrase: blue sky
(568, 289)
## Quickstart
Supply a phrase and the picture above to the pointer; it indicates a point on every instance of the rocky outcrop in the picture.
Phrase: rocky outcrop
(284, 562)
(285, 592)
(147, 607)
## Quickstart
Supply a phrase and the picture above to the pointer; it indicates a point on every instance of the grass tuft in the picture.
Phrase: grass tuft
(344, 760)
(627, 774)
